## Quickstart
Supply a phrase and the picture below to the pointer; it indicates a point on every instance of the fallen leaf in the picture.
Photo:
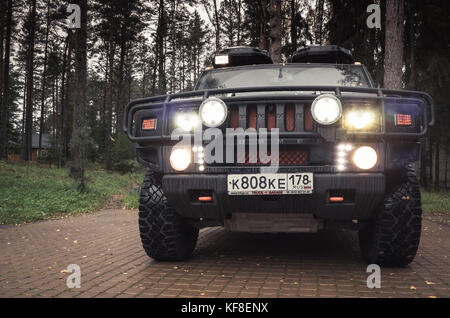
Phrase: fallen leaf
(429, 283)
(175, 267)
(202, 294)
(432, 297)
(64, 271)
(412, 287)
(75, 242)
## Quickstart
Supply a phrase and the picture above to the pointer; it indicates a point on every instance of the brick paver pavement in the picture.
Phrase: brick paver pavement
(106, 245)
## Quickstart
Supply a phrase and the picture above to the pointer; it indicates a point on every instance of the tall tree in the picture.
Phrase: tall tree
(319, 21)
(275, 30)
(263, 25)
(44, 77)
(5, 82)
(80, 132)
(31, 30)
(393, 56)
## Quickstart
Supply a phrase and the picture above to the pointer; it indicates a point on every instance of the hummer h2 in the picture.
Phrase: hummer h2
(296, 146)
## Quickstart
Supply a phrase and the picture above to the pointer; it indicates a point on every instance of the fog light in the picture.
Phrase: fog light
(360, 119)
(187, 121)
(180, 158)
(365, 157)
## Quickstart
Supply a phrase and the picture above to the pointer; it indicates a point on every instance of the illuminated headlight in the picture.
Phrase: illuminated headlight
(365, 157)
(326, 109)
(360, 119)
(187, 121)
(213, 112)
(180, 158)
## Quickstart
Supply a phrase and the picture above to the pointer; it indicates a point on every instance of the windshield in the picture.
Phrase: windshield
(278, 75)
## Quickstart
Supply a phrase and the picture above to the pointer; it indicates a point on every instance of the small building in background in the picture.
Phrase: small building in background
(46, 144)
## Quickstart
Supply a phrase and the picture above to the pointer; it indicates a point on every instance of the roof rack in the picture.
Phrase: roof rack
(322, 54)
(240, 55)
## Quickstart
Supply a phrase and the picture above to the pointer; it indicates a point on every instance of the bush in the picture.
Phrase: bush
(123, 159)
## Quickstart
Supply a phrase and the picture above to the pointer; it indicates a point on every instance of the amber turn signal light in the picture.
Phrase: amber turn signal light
(149, 124)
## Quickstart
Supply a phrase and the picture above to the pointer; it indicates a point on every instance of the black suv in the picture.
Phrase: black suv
(290, 147)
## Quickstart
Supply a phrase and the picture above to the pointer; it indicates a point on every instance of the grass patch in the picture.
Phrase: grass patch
(131, 199)
(433, 201)
(29, 192)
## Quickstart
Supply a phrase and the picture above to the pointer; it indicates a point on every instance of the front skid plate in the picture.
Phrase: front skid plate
(273, 223)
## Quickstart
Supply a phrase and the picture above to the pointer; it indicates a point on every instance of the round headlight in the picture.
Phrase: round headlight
(326, 109)
(365, 157)
(213, 112)
(180, 158)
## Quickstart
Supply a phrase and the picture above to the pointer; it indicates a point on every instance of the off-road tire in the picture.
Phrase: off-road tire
(392, 237)
(165, 235)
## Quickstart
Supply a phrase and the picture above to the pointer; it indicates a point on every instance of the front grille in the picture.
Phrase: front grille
(287, 117)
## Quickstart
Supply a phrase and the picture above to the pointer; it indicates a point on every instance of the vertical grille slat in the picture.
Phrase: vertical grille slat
(280, 116)
(261, 116)
(299, 117)
(243, 116)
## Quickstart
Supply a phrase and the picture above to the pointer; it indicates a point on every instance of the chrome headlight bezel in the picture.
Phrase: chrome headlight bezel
(204, 104)
(314, 109)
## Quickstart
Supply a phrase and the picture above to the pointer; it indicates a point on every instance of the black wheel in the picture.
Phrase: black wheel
(165, 235)
(393, 235)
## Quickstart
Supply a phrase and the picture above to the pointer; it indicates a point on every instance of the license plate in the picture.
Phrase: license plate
(276, 183)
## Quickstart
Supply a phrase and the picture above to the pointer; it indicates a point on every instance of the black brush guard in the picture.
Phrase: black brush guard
(193, 98)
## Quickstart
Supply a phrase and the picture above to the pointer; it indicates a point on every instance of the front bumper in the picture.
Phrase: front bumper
(363, 192)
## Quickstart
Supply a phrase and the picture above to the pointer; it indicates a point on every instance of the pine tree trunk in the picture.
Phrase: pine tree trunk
(275, 31)
(5, 85)
(412, 57)
(423, 164)
(262, 25)
(293, 26)
(437, 178)
(44, 77)
(27, 142)
(393, 59)
(65, 90)
(120, 90)
(2, 39)
(80, 130)
(109, 98)
(216, 18)
(319, 21)
(446, 168)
